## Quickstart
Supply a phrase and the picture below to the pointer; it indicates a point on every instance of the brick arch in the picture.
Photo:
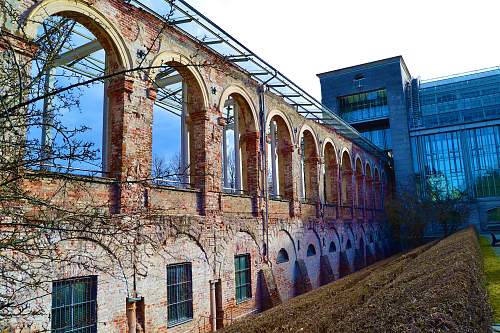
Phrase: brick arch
(116, 49)
(245, 101)
(248, 138)
(309, 155)
(284, 273)
(183, 65)
(346, 187)
(196, 105)
(284, 153)
(368, 185)
(359, 182)
(377, 189)
(306, 128)
(331, 174)
(277, 114)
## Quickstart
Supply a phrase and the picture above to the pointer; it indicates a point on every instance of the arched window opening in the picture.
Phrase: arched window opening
(346, 189)
(330, 175)
(239, 147)
(348, 244)
(279, 159)
(377, 191)
(171, 130)
(359, 186)
(309, 168)
(332, 247)
(369, 186)
(175, 141)
(68, 132)
(282, 256)
(311, 250)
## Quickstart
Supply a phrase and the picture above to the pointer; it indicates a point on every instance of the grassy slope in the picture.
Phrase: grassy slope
(430, 289)
(492, 274)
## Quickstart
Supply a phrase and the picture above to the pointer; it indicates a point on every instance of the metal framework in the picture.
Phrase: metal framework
(189, 21)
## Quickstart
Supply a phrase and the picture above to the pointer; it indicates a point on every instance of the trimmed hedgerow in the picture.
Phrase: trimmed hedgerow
(438, 287)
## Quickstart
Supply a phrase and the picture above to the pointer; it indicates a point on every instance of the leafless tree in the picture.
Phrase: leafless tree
(50, 217)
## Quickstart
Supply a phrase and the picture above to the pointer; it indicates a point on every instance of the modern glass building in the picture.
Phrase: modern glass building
(446, 130)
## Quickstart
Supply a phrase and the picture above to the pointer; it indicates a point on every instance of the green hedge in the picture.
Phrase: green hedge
(438, 287)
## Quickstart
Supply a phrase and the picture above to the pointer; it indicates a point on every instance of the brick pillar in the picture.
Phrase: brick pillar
(311, 167)
(205, 164)
(250, 162)
(129, 154)
(287, 178)
(369, 192)
(377, 195)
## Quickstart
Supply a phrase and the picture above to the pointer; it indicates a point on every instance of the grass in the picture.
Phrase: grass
(438, 287)
(492, 274)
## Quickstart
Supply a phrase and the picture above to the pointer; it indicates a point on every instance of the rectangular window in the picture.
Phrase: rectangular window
(179, 293)
(364, 106)
(242, 277)
(74, 305)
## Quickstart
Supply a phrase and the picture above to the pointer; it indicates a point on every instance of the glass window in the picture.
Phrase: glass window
(179, 293)
(332, 247)
(311, 250)
(282, 256)
(243, 278)
(363, 106)
(74, 305)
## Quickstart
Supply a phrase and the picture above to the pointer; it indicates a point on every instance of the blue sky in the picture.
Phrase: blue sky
(302, 39)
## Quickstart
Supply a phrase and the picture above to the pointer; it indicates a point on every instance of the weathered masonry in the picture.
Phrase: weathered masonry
(274, 199)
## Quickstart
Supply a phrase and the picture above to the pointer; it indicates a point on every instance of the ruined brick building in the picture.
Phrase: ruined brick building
(303, 207)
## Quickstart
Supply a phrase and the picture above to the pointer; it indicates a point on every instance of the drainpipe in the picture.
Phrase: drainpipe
(263, 161)
(213, 305)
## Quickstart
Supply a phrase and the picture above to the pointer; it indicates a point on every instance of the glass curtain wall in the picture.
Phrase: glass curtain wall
(460, 100)
(464, 160)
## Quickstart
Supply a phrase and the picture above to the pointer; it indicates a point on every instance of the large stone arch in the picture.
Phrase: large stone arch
(246, 143)
(312, 238)
(91, 18)
(346, 188)
(307, 128)
(281, 159)
(283, 272)
(309, 162)
(330, 172)
(186, 68)
(286, 121)
(239, 91)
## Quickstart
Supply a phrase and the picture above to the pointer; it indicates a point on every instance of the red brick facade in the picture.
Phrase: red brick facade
(218, 226)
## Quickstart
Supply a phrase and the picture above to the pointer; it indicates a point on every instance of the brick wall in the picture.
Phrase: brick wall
(204, 226)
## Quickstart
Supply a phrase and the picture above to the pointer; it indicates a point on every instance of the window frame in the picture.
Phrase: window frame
(177, 285)
(90, 303)
(238, 281)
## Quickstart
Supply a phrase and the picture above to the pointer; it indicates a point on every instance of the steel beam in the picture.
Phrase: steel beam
(76, 54)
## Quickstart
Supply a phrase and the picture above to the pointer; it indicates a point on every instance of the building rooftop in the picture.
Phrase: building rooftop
(366, 65)
(454, 78)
